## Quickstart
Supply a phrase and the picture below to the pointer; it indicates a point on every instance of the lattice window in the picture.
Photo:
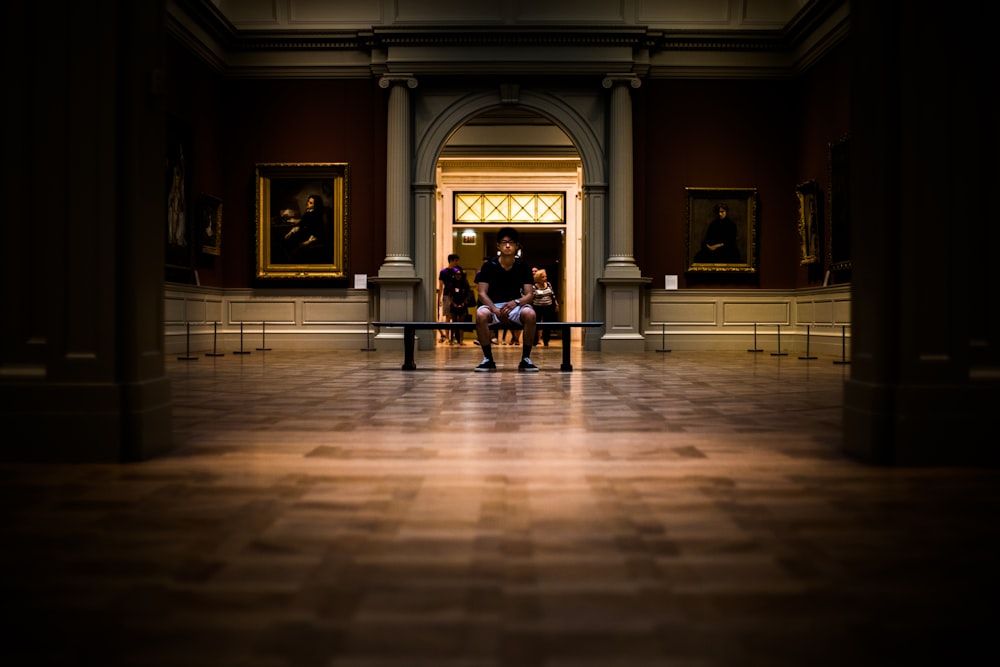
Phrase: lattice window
(510, 207)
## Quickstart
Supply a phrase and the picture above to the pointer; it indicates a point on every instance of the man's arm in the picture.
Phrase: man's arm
(484, 297)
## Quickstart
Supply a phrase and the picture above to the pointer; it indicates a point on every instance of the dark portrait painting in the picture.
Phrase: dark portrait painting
(721, 229)
(301, 220)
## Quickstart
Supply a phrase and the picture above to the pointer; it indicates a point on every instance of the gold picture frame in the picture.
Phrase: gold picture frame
(807, 194)
(296, 239)
(717, 243)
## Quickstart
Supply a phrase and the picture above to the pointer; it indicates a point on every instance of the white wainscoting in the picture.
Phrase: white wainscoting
(676, 319)
(205, 320)
(725, 319)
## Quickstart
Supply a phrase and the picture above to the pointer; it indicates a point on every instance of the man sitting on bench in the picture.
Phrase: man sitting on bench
(506, 287)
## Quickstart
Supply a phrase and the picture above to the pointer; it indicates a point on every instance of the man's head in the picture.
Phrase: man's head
(453, 259)
(507, 237)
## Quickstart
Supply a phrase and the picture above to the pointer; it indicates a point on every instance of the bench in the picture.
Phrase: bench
(410, 328)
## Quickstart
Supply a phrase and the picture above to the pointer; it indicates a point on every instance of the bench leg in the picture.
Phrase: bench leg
(566, 366)
(408, 341)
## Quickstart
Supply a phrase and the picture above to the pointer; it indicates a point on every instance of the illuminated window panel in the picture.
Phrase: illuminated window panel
(510, 207)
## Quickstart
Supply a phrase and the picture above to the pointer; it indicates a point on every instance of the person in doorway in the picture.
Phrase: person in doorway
(461, 299)
(545, 303)
(445, 278)
(505, 292)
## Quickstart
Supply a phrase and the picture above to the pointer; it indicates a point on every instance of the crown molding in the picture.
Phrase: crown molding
(543, 50)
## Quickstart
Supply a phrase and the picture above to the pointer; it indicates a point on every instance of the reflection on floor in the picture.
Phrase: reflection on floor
(688, 509)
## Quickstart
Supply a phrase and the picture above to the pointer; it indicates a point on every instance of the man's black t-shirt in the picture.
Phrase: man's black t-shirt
(504, 285)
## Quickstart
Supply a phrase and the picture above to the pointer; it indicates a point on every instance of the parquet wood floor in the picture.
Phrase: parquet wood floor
(684, 509)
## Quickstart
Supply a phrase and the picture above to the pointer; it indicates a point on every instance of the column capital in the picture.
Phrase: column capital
(622, 78)
(389, 79)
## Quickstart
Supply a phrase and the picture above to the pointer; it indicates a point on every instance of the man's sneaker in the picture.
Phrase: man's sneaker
(487, 365)
(526, 365)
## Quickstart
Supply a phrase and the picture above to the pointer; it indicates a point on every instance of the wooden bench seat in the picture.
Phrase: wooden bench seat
(410, 328)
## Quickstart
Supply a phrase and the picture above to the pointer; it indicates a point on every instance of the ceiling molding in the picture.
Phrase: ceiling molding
(508, 50)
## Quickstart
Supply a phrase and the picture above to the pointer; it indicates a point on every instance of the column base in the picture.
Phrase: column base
(623, 314)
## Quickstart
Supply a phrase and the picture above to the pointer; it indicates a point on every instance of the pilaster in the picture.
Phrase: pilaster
(398, 262)
(621, 260)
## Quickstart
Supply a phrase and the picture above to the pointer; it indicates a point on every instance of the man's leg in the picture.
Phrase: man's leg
(483, 318)
(529, 322)
(445, 316)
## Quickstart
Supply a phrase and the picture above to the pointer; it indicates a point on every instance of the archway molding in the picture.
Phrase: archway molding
(438, 114)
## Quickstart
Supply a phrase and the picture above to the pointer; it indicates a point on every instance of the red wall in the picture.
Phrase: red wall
(239, 123)
(290, 121)
(769, 135)
(715, 134)
(825, 100)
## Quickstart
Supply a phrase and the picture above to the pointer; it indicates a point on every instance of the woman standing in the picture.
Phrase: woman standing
(545, 303)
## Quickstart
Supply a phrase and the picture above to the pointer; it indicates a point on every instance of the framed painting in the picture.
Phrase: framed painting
(721, 230)
(302, 220)
(210, 224)
(809, 223)
(179, 254)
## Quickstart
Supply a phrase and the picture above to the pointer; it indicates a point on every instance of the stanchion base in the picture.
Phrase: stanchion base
(215, 354)
(842, 362)
(808, 357)
(187, 358)
(779, 354)
(664, 350)
(263, 349)
(242, 352)
(755, 350)
(368, 349)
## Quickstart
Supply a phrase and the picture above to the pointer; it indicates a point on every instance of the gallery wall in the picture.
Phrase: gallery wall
(240, 123)
(769, 134)
(763, 134)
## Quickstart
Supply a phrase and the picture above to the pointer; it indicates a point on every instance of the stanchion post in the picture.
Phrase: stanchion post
(187, 343)
(755, 348)
(263, 338)
(215, 339)
(368, 324)
(807, 356)
(663, 337)
(241, 350)
(843, 347)
(779, 353)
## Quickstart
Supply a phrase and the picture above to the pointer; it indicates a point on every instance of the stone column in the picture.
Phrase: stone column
(925, 368)
(621, 261)
(82, 374)
(397, 280)
(622, 282)
(398, 263)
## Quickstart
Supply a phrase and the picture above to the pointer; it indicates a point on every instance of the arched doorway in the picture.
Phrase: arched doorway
(439, 123)
(540, 196)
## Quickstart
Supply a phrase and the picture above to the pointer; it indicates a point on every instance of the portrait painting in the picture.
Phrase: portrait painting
(302, 213)
(178, 217)
(721, 225)
(210, 224)
(808, 224)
